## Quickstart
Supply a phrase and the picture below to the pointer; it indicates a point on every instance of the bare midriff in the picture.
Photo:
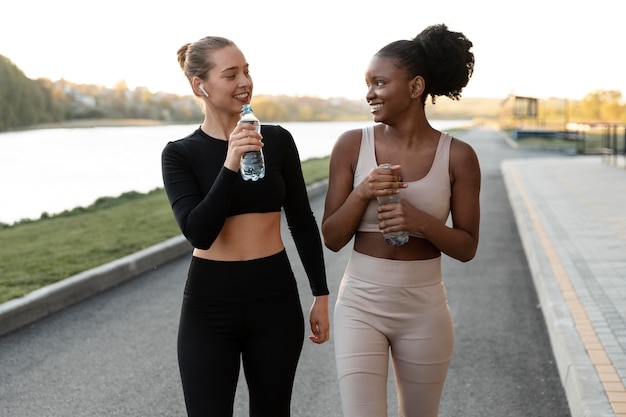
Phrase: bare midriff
(373, 244)
(244, 237)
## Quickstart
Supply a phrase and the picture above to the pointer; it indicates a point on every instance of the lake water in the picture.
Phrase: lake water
(52, 170)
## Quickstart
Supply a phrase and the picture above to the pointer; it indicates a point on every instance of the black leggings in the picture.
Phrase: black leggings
(240, 312)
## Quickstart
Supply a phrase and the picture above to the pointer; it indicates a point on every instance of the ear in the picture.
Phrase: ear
(198, 88)
(417, 86)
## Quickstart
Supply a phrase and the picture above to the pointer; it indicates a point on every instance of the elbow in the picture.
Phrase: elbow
(330, 241)
(466, 258)
(331, 246)
(199, 242)
(469, 255)
(335, 244)
(465, 249)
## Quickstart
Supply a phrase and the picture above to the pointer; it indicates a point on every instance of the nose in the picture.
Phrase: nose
(369, 95)
(245, 80)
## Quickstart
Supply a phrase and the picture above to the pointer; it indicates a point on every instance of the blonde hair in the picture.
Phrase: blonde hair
(195, 58)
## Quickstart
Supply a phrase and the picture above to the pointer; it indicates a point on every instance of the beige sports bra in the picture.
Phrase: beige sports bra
(430, 194)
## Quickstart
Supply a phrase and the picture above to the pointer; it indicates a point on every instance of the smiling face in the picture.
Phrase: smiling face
(229, 83)
(388, 89)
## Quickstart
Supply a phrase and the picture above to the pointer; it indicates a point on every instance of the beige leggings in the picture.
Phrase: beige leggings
(398, 309)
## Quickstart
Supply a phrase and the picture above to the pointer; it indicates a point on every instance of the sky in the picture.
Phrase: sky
(539, 48)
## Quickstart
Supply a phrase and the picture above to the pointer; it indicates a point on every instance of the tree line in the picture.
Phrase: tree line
(598, 108)
(26, 103)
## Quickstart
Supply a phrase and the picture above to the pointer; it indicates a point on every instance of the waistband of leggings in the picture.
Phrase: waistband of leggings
(394, 273)
(240, 279)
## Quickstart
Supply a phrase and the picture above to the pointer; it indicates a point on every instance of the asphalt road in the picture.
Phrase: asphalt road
(115, 354)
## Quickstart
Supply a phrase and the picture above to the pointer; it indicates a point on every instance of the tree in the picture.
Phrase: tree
(603, 105)
(24, 102)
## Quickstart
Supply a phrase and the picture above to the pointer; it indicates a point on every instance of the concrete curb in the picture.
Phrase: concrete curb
(584, 390)
(54, 297)
(40, 303)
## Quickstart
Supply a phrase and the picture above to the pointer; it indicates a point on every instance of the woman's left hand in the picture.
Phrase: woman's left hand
(392, 217)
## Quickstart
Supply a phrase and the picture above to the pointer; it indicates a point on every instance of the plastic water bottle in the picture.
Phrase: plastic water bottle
(393, 238)
(253, 162)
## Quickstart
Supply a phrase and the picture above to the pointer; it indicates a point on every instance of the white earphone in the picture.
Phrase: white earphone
(203, 90)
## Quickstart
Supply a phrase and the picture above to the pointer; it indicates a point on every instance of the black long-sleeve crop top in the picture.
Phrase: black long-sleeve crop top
(203, 193)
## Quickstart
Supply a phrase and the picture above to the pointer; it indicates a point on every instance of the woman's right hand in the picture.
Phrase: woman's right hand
(385, 179)
(244, 138)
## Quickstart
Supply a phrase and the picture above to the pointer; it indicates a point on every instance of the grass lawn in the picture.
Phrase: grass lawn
(40, 252)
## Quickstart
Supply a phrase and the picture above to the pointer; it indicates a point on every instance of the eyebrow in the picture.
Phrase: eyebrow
(234, 68)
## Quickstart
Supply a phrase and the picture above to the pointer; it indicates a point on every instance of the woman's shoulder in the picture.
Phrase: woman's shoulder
(274, 129)
(186, 140)
(276, 136)
(460, 148)
(195, 144)
(275, 132)
(349, 139)
(463, 156)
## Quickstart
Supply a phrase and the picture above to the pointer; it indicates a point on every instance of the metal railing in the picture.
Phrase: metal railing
(612, 147)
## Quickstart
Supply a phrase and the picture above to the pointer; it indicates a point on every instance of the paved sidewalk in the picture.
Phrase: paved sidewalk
(571, 216)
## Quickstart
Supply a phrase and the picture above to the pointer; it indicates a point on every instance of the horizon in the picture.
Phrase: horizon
(558, 52)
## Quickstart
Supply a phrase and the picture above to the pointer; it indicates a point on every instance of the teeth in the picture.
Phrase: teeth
(375, 107)
(241, 96)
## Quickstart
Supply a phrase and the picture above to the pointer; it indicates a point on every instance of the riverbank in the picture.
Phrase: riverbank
(86, 123)
(62, 168)
(85, 237)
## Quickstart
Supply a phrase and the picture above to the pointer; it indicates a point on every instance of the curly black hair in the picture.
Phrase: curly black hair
(442, 57)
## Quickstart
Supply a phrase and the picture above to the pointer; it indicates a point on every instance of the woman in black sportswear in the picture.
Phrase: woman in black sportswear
(241, 302)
